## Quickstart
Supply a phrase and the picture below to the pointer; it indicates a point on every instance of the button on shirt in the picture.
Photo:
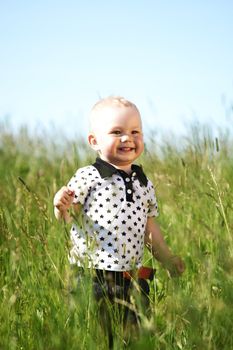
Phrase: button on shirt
(109, 231)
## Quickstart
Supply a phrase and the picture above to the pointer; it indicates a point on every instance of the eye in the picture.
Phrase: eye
(115, 132)
(135, 132)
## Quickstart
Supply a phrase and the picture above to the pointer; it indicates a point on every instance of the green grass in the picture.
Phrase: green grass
(194, 188)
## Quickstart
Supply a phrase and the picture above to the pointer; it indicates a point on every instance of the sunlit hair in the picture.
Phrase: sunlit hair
(110, 101)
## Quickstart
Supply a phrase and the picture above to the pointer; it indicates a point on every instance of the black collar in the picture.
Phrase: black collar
(105, 170)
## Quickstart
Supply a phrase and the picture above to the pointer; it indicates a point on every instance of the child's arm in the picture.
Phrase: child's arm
(62, 202)
(155, 242)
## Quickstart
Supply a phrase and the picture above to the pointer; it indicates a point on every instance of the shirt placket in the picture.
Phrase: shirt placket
(128, 181)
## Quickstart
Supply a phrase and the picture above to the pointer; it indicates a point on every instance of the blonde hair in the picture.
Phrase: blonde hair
(110, 101)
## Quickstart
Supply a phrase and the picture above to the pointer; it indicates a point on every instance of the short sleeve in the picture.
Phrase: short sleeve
(152, 201)
(79, 183)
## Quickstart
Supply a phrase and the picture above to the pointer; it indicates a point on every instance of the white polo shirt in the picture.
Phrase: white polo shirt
(109, 231)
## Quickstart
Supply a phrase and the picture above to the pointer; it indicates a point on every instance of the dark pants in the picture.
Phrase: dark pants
(113, 293)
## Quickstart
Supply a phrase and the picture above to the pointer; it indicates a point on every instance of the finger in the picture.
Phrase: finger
(66, 201)
(70, 193)
(66, 197)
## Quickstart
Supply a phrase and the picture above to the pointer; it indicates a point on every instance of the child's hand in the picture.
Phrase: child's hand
(63, 199)
(175, 266)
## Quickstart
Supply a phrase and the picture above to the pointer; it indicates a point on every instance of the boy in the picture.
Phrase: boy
(115, 203)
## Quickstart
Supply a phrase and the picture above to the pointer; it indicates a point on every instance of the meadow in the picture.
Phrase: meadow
(40, 306)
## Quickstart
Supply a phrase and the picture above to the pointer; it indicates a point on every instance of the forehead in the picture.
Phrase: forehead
(110, 116)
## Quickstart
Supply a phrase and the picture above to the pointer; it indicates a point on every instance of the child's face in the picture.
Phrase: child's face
(117, 135)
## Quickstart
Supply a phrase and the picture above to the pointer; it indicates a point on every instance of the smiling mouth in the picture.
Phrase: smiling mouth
(126, 149)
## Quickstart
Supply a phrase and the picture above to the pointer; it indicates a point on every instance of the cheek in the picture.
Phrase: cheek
(140, 144)
(108, 145)
(140, 141)
(142, 147)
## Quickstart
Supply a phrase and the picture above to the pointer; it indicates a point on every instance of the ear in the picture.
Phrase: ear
(93, 142)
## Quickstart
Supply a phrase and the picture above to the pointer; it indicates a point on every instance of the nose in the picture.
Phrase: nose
(125, 138)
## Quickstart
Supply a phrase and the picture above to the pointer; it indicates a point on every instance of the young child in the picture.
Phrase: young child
(114, 203)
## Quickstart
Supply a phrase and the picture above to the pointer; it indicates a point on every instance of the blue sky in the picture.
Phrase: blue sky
(174, 59)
